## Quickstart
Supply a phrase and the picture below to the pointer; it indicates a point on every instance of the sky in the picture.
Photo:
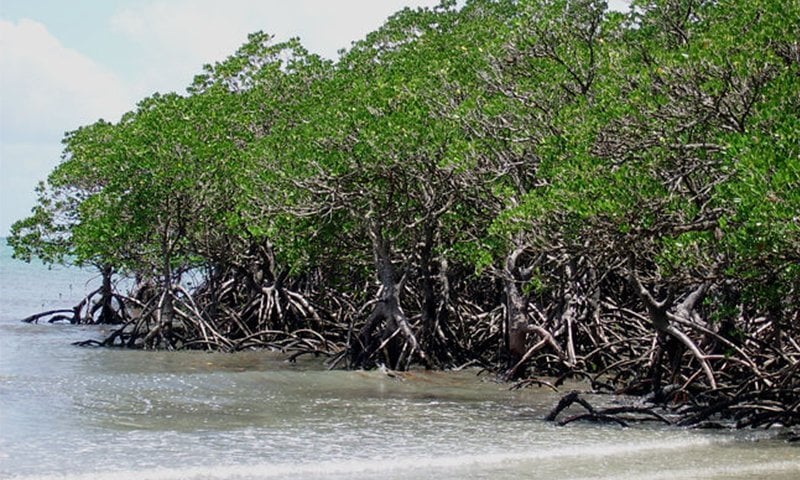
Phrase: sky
(68, 63)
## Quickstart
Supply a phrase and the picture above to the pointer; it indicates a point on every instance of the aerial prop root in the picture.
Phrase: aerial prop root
(603, 415)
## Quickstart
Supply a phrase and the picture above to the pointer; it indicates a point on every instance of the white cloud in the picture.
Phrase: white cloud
(23, 165)
(176, 38)
(47, 89)
(180, 36)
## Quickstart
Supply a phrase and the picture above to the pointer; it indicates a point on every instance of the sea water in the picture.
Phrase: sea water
(87, 413)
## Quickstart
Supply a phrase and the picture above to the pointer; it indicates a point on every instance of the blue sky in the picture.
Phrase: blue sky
(67, 63)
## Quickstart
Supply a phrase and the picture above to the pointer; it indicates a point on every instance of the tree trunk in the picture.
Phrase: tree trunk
(516, 313)
(437, 338)
(166, 311)
(387, 330)
(107, 313)
(662, 318)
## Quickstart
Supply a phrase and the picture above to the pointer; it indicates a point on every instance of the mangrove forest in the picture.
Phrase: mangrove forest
(545, 189)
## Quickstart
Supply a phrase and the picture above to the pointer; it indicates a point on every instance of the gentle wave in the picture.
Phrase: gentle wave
(736, 470)
(379, 465)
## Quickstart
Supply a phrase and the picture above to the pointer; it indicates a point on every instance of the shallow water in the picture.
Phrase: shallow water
(83, 413)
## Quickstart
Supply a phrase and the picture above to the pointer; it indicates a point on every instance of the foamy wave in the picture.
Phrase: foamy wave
(372, 465)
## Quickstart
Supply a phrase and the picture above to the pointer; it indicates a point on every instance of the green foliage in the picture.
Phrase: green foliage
(670, 134)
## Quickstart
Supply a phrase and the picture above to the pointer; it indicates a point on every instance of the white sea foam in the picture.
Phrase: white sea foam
(366, 466)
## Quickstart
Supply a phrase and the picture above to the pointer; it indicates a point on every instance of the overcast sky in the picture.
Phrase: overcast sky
(67, 63)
